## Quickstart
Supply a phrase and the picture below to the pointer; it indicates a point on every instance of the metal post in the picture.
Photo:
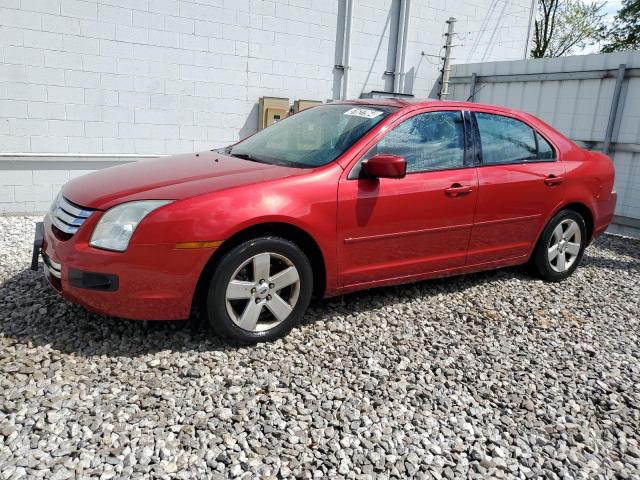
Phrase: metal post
(398, 67)
(534, 6)
(446, 68)
(472, 91)
(346, 56)
(405, 41)
(613, 113)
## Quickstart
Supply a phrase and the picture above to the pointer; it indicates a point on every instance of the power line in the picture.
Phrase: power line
(465, 35)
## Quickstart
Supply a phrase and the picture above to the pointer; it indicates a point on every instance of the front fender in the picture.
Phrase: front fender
(308, 202)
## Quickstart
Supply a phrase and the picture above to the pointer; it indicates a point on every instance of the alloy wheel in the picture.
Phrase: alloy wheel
(564, 245)
(257, 299)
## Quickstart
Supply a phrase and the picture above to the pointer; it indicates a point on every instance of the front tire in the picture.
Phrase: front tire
(561, 246)
(259, 290)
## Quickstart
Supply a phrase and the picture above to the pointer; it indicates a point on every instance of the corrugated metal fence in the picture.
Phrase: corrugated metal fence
(593, 99)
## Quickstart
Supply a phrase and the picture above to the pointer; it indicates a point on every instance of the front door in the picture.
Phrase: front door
(520, 183)
(392, 229)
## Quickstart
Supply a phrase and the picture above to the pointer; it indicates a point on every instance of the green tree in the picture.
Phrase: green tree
(564, 26)
(624, 34)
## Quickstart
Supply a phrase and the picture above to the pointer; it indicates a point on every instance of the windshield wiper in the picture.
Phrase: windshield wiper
(246, 156)
(288, 163)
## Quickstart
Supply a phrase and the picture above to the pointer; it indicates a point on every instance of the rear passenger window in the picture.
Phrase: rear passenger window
(545, 150)
(428, 141)
(507, 140)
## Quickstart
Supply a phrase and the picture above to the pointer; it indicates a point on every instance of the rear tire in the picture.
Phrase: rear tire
(560, 247)
(259, 290)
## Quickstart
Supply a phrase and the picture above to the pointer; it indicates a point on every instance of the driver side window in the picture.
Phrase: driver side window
(428, 141)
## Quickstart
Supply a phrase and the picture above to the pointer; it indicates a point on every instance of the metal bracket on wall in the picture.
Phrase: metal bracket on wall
(614, 146)
(626, 221)
(67, 161)
(546, 77)
(613, 113)
(472, 90)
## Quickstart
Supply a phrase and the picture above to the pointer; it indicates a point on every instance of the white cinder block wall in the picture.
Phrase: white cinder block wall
(103, 78)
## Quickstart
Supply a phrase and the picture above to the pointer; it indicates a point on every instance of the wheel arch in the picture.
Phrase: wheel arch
(585, 212)
(576, 206)
(284, 230)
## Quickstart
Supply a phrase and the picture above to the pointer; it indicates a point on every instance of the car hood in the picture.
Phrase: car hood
(170, 178)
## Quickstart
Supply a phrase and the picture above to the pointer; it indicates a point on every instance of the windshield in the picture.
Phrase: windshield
(311, 138)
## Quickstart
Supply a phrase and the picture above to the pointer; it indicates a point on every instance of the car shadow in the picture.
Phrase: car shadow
(610, 264)
(31, 312)
(619, 245)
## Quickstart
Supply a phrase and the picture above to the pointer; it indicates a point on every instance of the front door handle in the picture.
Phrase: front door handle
(456, 189)
(551, 180)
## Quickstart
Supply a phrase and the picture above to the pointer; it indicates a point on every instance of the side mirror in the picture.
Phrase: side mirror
(385, 166)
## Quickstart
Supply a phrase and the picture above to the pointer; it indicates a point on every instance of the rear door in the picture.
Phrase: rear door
(520, 182)
(391, 229)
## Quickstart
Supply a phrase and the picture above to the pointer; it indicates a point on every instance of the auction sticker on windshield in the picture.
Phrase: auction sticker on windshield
(363, 112)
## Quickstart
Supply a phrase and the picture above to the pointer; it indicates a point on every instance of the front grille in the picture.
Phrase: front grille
(66, 216)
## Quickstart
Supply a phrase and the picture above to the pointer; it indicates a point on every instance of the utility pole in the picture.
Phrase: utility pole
(446, 67)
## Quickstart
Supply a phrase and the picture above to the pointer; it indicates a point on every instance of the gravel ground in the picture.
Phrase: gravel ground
(494, 374)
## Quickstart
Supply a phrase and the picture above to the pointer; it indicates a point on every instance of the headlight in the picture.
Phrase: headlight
(115, 228)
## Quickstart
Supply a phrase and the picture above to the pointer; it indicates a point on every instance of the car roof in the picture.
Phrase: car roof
(415, 103)
(418, 103)
(410, 104)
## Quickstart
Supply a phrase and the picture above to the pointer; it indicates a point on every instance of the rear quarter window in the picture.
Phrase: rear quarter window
(545, 150)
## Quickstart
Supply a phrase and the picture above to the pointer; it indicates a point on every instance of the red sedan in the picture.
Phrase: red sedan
(337, 198)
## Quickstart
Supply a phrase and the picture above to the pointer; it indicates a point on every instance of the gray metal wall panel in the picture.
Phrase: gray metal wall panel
(578, 108)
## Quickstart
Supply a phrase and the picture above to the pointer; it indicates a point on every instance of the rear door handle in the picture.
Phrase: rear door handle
(552, 180)
(456, 189)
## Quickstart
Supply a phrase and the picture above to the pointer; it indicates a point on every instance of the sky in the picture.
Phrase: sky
(611, 8)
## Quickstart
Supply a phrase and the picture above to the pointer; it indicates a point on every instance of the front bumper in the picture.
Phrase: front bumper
(147, 282)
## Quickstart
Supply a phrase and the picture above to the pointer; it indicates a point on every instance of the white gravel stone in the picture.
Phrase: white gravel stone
(496, 374)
